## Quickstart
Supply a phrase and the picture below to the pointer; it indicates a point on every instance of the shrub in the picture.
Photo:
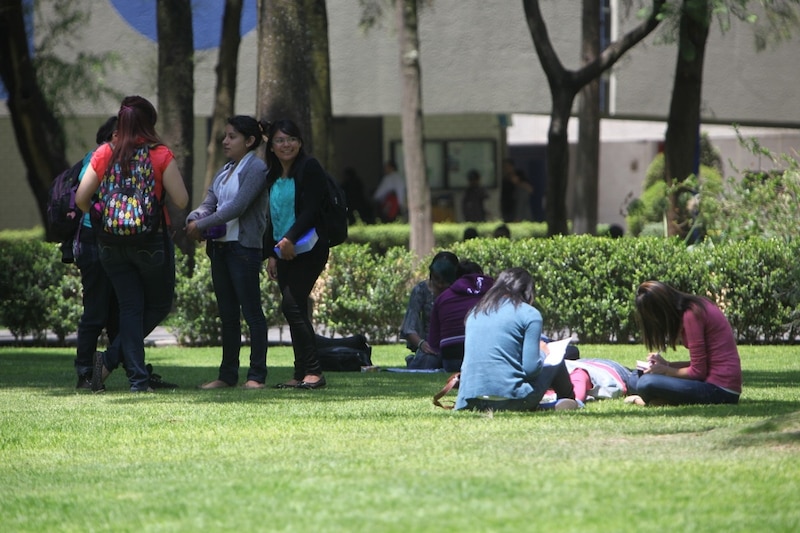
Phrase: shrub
(584, 286)
(196, 321)
(364, 293)
(31, 273)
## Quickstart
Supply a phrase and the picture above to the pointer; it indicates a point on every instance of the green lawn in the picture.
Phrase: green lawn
(371, 453)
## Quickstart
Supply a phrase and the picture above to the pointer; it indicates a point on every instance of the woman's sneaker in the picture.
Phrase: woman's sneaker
(567, 404)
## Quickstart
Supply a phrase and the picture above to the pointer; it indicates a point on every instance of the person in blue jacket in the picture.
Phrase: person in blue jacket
(503, 366)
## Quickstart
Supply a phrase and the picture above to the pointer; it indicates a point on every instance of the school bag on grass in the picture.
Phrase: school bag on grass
(347, 354)
(128, 207)
(63, 216)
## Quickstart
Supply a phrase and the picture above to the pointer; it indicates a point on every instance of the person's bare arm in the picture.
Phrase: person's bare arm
(173, 184)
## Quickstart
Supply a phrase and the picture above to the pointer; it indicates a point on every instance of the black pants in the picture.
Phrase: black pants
(296, 278)
(551, 377)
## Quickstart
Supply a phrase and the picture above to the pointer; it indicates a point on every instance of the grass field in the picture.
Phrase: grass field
(371, 453)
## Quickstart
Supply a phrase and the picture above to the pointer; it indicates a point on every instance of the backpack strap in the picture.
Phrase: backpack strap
(452, 382)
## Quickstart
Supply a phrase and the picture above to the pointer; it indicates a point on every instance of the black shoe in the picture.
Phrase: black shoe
(84, 382)
(97, 373)
(156, 382)
(311, 386)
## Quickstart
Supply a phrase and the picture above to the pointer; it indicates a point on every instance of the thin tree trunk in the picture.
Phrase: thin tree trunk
(225, 94)
(176, 96)
(564, 85)
(558, 162)
(681, 141)
(584, 209)
(418, 191)
(39, 135)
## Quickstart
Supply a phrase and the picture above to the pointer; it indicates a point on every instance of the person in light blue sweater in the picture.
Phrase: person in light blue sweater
(503, 366)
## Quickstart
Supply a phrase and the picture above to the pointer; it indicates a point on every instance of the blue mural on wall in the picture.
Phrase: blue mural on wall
(141, 16)
(206, 19)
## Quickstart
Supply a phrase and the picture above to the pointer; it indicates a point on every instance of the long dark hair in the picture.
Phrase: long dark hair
(288, 127)
(659, 312)
(249, 127)
(513, 284)
(136, 125)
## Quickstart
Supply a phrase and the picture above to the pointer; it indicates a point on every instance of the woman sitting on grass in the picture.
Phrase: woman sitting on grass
(713, 373)
(503, 366)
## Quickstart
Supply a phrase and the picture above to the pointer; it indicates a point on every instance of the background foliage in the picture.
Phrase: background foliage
(584, 284)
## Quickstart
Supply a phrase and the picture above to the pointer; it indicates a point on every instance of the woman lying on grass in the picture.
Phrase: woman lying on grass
(713, 373)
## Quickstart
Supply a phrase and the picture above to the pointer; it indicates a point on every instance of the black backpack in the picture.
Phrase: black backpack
(63, 216)
(335, 212)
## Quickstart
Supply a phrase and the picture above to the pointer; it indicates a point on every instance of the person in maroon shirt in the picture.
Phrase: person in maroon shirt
(446, 330)
(713, 373)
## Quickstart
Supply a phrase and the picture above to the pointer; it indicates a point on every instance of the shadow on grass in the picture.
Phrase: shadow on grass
(46, 370)
(53, 373)
(764, 378)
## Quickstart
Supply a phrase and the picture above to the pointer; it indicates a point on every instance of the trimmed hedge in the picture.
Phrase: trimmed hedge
(585, 286)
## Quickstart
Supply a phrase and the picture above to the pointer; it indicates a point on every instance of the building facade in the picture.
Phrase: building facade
(484, 93)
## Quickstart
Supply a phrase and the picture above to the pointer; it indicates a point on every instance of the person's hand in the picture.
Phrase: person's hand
(544, 348)
(287, 249)
(656, 359)
(193, 232)
(658, 368)
(272, 268)
(425, 347)
(658, 365)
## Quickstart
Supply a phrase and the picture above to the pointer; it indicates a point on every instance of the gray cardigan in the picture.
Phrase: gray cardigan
(249, 206)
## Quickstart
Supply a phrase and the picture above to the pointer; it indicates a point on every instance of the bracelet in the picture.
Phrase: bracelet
(420, 344)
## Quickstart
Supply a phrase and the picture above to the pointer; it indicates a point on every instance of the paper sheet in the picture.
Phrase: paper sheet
(557, 351)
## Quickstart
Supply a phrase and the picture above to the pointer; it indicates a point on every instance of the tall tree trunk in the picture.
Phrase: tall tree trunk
(564, 85)
(225, 93)
(558, 161)
(283, 64)
(681, 143)
(320, 86)
(584, 209)
(176, 96)
(417, 189)
(40, 137)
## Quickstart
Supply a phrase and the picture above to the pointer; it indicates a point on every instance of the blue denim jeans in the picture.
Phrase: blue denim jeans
(235, 272)
(100, 309)
(143, 276)
(678, 391)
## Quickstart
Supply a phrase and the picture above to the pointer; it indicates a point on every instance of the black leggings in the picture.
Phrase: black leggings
(296, 278)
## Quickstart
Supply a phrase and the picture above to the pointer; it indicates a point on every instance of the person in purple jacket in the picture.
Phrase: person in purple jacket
(446, 330)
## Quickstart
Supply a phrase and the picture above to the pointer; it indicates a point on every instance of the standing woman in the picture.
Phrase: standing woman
(232, 219)
(297, 189)
(503, 366)
(143, 274)
(713, 373)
